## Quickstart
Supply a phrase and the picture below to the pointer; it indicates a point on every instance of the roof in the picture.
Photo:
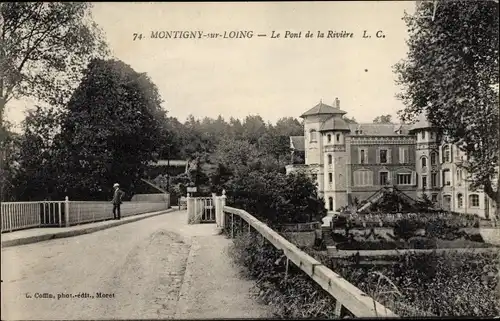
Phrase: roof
(298, 143)
(334, 123)
(421, 123)
(379, 129)
(323, 109)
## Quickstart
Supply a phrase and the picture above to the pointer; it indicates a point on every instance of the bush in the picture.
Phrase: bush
(406, 228)
(422, 243)
(440, 285)
(296, 296)
(276, 198)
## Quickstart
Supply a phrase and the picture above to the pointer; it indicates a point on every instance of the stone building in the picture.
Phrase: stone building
(354, 161)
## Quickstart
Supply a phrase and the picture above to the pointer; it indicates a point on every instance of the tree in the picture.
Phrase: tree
(452, 63)
(43, 49)
(383, 119)
(9, 143)
(275, 145)
(253, 128)
(350, 120)
(289, 126)
(111, 130)
(39, 173)
(235, 155)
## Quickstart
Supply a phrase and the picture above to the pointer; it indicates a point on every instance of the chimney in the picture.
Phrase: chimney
(337, 103)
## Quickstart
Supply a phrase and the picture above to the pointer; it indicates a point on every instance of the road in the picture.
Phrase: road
(137, 269)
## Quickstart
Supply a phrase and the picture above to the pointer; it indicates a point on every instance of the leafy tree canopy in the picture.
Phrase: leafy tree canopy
(43, 49)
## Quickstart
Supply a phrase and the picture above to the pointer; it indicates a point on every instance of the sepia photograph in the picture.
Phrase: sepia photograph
(249, 160)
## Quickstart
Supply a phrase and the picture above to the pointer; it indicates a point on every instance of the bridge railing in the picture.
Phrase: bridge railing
(347, 296)
(82, 212)
(23, 215)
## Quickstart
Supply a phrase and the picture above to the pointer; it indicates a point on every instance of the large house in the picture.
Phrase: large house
(354, 161)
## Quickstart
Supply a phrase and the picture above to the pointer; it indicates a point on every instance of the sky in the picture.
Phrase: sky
(274, 78)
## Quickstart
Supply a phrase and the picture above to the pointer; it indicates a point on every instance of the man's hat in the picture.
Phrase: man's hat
(116, 185)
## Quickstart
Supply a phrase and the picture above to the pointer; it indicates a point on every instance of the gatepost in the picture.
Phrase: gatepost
(222, 215)
(190, 204)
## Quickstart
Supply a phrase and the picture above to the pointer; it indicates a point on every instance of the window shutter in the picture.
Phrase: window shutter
(440, 155)
(359, 155)
(389, 178)
(378, 155)
(413, 178)
(389, 158)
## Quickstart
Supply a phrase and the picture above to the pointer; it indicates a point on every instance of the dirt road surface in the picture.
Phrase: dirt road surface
(133, 271)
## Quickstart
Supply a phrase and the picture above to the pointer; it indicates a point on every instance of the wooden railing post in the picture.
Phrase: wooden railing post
(338, 308)
(66, 210)
(232, 225)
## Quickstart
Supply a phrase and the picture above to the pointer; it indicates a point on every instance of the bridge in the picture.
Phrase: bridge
(163, 263)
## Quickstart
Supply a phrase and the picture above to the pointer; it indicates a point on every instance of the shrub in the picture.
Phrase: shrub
(422, 243)
(440, 285)
(276, 198)
(406, 228)
(296, 296)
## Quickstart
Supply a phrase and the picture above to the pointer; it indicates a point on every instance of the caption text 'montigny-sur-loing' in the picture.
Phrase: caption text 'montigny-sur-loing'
(248, 34)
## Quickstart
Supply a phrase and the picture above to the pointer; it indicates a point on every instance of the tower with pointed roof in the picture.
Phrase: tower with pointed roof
(325, 146)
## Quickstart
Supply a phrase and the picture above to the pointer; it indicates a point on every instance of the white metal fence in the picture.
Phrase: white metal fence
(23, 215)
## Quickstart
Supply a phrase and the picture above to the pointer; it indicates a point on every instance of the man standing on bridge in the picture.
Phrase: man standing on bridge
(117, 200)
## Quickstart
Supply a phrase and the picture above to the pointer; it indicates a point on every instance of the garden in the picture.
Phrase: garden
(456, 275)
(404, 231)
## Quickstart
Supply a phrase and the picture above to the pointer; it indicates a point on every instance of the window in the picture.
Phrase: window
(383, 156)
(314, 177)
(460, 200)
(338, 137)
(404, 155)
(312, 135)
(459, 175)
(330, 177)
(424, 162)
(329, 159)
(384, 178)
(404, 179)
(446, 177)
(424, 182)
(434, 198)
(446, 154)
(423, 135)
(362, 156)
(363, 178)
(330, 203)
(434, 179)
(433, 135)
(433, 158)
(329, 138)
(474, 200)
